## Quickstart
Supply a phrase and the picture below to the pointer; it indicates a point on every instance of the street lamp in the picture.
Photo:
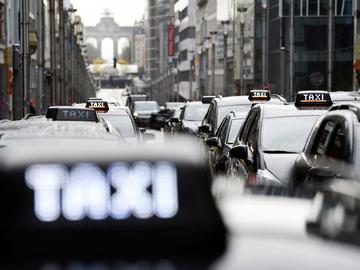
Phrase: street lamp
(213, 43)
(264, 9)
(225, 88)
(242, 10)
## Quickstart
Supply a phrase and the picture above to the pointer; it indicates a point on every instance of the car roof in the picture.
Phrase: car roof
(273, 110)
(339, 96)
(41, 128)
(145, 101)
(120, 110)
(241, 100)
(196, 104)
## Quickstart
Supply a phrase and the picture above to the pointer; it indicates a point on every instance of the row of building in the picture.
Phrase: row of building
(230, 46)
(42, 57)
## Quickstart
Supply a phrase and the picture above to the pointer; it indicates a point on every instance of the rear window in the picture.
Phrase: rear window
(234, 130)
(223, 111)
(122, 123)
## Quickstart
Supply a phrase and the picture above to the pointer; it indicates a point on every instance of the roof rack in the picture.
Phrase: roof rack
(347, 106)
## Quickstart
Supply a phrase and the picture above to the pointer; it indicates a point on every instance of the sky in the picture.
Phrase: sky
(125, 12)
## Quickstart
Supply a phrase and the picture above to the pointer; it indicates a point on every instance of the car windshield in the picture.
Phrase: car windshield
(195, 113)
(234, 130)
(146, 106)
(224, 110)
(286, 134)
(121, 123)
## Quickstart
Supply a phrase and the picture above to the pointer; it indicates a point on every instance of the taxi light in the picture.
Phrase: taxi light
(259, 95)
(98, 105)
(314, 98)
(207, 99)
(69, 113)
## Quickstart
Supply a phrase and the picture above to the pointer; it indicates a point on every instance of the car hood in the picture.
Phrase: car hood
(280, 165)
(191, 124)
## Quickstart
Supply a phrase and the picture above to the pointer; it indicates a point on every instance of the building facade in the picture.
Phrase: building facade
(185, 25)
(42, 57)
(317, 52)
(138, 53)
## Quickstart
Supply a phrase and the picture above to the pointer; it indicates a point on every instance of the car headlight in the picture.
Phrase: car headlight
(135, 114)
(265, 177)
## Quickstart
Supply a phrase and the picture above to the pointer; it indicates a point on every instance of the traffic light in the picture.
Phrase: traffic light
(115, 61)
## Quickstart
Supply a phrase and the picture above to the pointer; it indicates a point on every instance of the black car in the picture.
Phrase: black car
(142, 111)
(332, 149)
(220, 145)
(221, 106)
(271, 138)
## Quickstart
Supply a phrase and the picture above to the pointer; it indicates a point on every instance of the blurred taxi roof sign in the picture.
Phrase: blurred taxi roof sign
(69, 113)
(207, 99)
(98, 105)
(313, 98)
(91, 203)
(259, 94)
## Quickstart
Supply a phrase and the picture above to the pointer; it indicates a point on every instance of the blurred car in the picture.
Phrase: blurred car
(190, 117)
(272, 136)
(221, 106)
(345, 96)
(171, 126)
(122, 120)
(332, 148)
(159, 120)
(142, 111)
(132, 98)
(221, 143)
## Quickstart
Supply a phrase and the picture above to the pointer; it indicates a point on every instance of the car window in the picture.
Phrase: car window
(252, 137)
(247, 126)
(336, 147)
(234, 130)
(224, 129)
(122, 123)
(224, 110)
(208, 113)
(322, 138)
(195, 113)
(287, 134)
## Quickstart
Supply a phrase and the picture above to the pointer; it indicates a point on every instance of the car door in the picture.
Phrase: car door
(314, 154)
(222, 135)
(239, 168)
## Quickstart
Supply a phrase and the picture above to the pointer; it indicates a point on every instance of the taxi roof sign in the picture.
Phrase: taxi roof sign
(259, 95)
(313, 98)
(98, 105)
(207, 99)
(69, 113)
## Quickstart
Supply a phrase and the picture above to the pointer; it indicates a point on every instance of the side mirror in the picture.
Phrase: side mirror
(321, 173)
(239, 152)
(213, 142)
(142, 130)
(204, 128)
(148, 136)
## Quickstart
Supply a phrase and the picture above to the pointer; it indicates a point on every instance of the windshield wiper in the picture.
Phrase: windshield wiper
(279, 152)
